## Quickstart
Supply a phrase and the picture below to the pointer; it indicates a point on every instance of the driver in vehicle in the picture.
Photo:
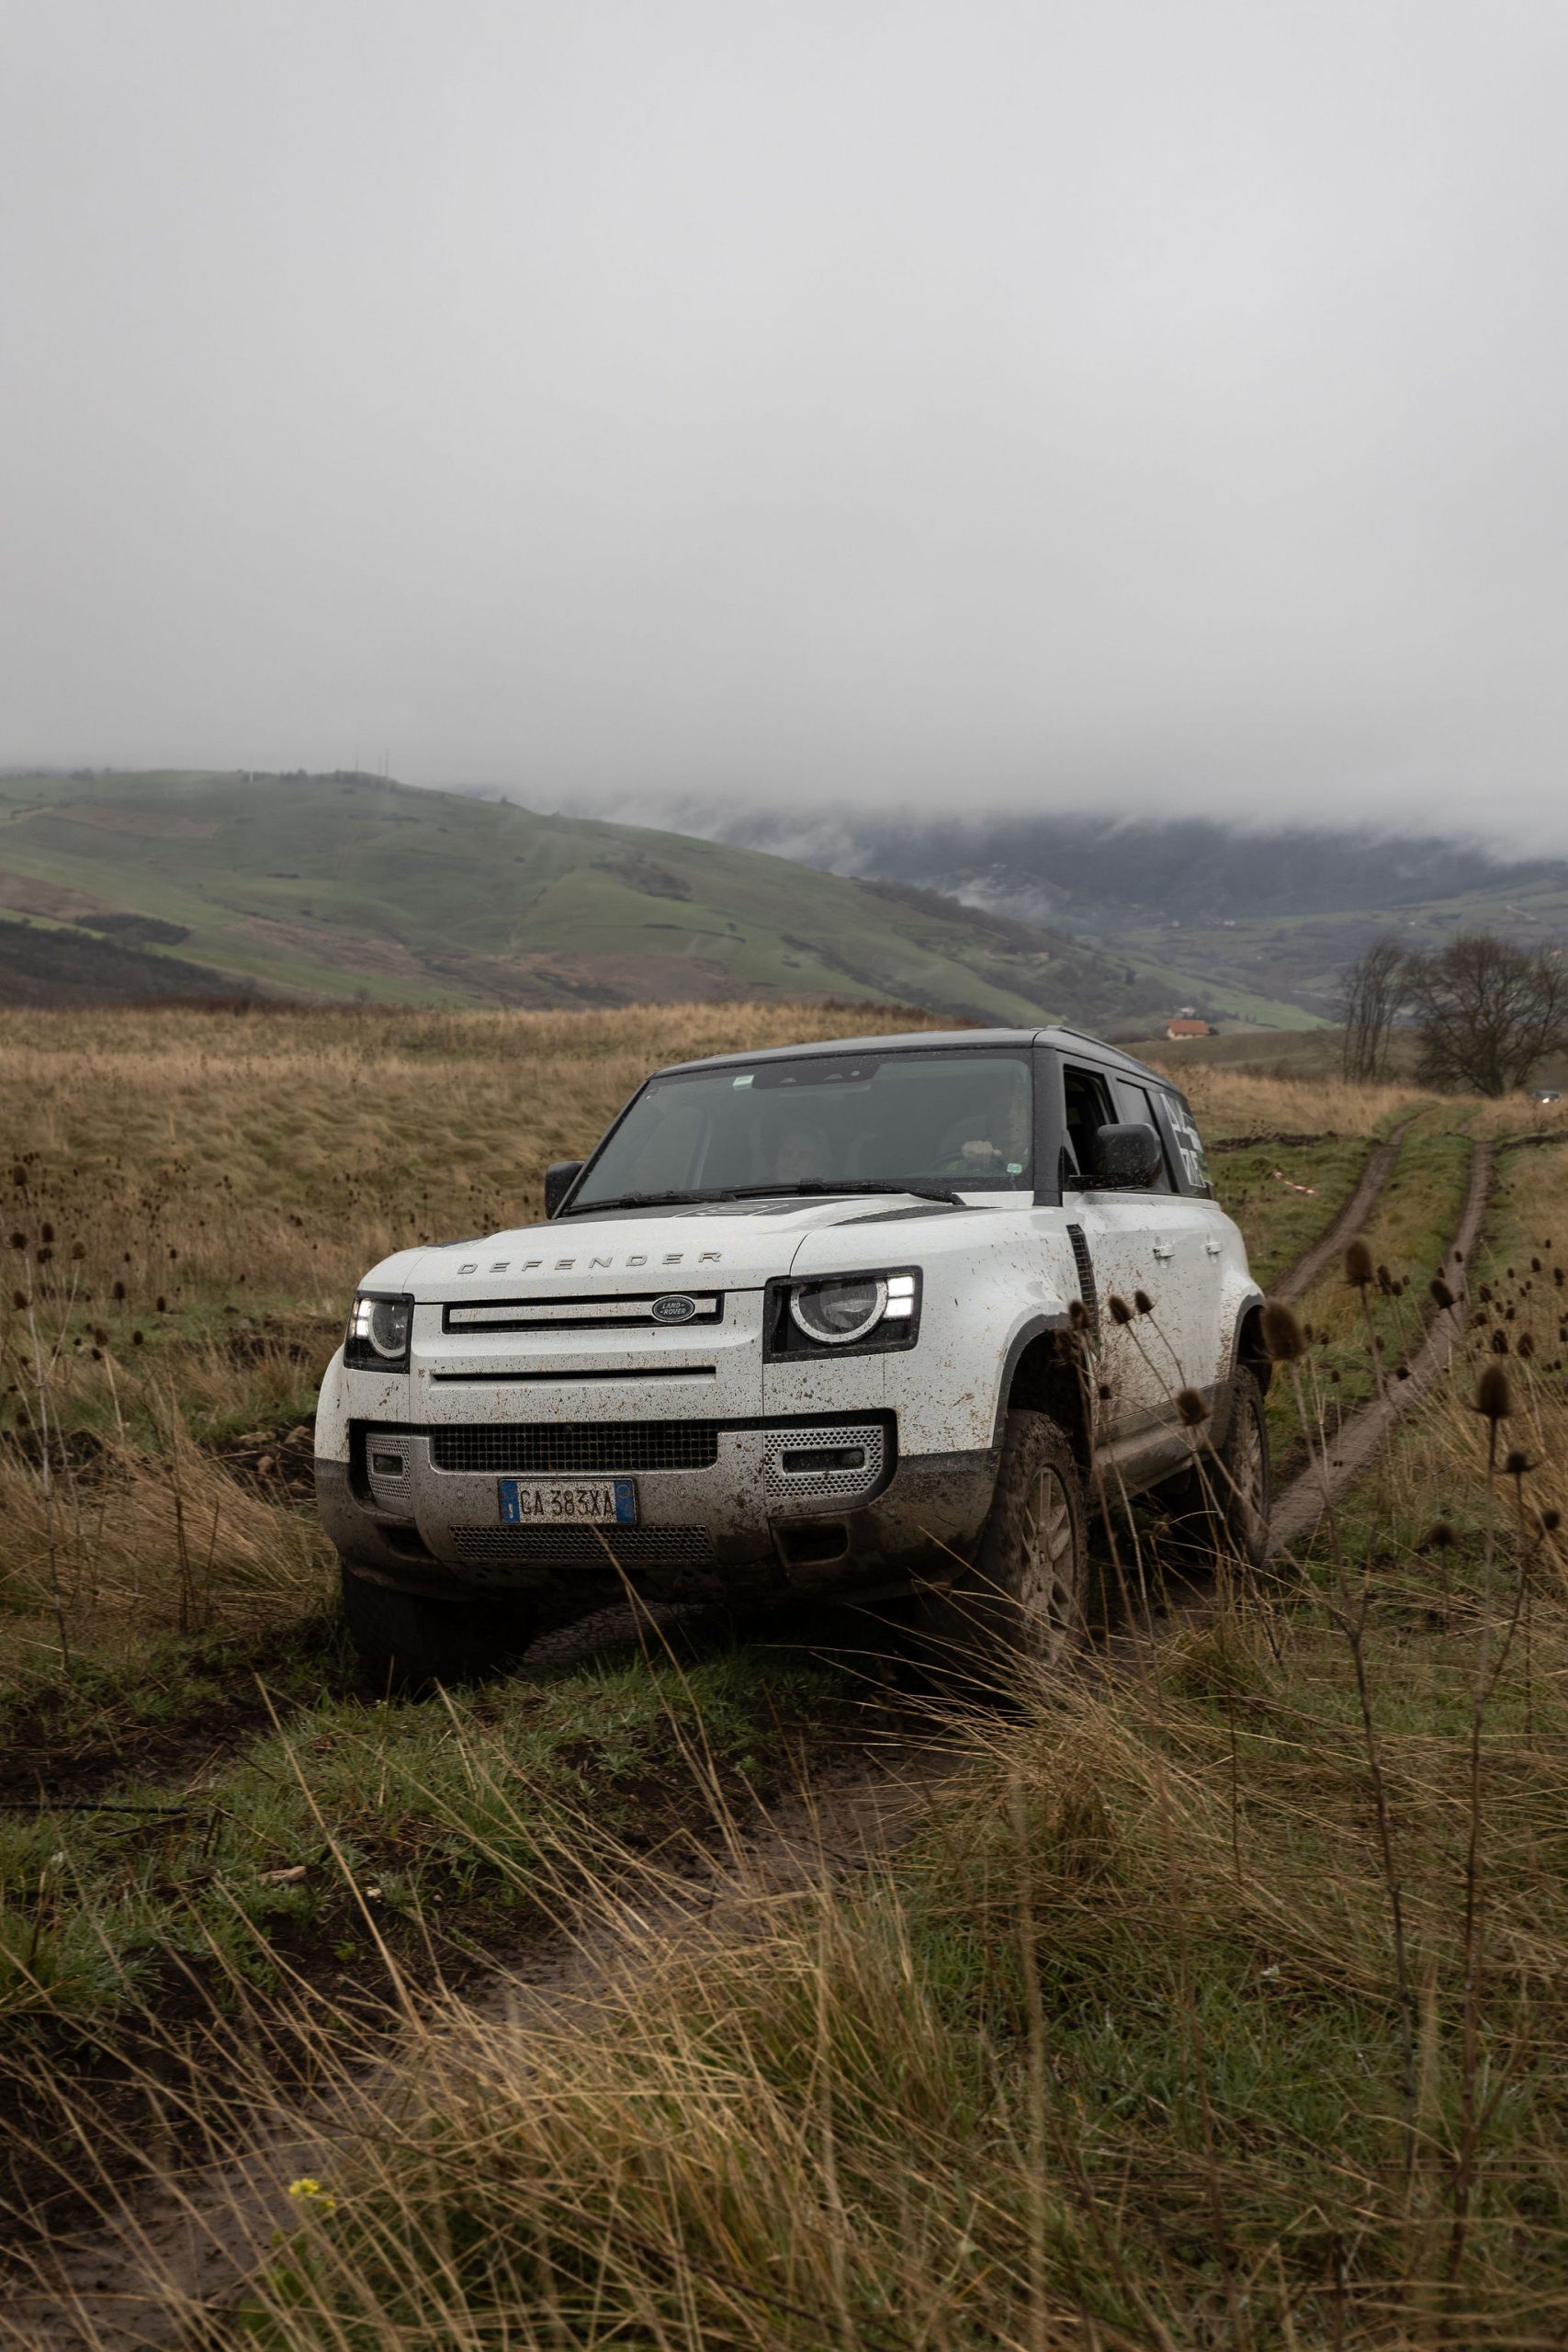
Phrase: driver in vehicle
(801, 1151)
(994, 1154)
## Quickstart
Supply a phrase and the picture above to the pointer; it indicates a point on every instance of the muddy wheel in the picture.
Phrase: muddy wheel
(1225, 1503)
(1020, 1600)
(406, 1644)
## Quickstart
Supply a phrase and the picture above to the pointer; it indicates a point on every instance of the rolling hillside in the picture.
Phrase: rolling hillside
(118, 885)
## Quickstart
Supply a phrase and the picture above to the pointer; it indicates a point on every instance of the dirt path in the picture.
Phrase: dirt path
(1382, 1161)
(1362, 1437)
(171, 2252)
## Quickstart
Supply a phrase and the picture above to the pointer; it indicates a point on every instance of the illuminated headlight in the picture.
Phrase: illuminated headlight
(378, 1333)
(854, 1307)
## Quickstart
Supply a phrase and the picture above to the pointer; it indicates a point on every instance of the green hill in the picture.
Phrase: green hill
(349, 886)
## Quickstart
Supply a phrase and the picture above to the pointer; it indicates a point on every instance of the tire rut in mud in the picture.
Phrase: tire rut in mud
(1381, 1163)
(167, 2255)
(1360, 1438)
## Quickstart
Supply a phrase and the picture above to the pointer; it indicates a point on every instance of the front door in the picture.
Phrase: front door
(1135, 1242)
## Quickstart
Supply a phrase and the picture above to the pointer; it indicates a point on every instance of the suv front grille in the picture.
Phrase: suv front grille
(584, 1547)
(545, 1448)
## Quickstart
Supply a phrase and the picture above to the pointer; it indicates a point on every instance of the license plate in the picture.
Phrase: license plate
(569, 1502)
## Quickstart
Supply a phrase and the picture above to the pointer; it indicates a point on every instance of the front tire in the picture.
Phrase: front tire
(1020, 1600)
(406, 1644)
(1227, 1496)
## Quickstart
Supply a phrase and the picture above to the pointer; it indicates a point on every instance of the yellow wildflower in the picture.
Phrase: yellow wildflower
(306, 2191)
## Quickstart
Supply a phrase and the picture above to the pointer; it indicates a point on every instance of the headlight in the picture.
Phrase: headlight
(378, 1333)
(852, 1308)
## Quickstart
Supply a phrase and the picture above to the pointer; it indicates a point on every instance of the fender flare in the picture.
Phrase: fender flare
(1253, 1304)
(1034, 1327)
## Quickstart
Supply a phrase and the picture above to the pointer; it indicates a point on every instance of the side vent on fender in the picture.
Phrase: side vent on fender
(1087, 1290)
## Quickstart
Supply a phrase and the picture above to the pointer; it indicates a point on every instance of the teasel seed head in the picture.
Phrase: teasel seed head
(1442, 1295)
(1190, 1408)
(1359, 1269)
(1282, 1334)
(1494, 1401)
(1120, 1310)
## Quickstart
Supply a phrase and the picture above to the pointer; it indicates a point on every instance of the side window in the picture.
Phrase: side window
(1088, 1109)
(1135, 1104)
(1189, 1144)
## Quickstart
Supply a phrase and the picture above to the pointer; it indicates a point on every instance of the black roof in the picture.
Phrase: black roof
(1065, 1040)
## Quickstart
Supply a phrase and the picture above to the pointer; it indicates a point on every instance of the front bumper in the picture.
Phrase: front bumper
(745, 1515)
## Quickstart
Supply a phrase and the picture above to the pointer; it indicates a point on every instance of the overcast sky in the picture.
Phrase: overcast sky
(1102, 403)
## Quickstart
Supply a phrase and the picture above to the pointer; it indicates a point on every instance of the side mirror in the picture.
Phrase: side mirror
(1128, 1159)
(559, 1178)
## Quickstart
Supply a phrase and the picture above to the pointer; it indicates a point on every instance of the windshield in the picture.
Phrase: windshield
(958, 1121)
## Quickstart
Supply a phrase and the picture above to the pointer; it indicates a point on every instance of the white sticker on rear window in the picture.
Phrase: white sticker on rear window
(1188, 1142)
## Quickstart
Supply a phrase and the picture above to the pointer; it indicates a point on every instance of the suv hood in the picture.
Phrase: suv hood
(726, 1245)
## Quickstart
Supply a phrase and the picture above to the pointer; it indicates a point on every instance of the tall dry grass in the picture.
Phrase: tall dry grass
(1111, 2057)
(1132, 2048)
(179, 1152)
(187, 1200)
(1227, 1102)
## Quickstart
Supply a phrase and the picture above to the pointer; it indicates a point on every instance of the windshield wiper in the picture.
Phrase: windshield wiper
(826, 1186)
(817, 1186)
(645, 1201)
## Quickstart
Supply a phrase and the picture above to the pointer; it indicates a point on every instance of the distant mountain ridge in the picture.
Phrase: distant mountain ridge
(1223, 907)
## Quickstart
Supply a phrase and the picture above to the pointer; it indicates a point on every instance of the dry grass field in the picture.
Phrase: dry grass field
(1219, 2002)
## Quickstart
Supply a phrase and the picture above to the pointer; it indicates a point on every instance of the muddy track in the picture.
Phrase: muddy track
(1382, 1161)
(169, 2256)
(1362, 1437)
(166, 2260)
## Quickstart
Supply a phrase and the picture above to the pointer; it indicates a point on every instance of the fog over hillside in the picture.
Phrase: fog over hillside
(1217, 908)
(1082, 869)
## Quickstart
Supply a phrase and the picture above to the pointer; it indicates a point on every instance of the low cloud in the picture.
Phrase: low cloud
(903, 407)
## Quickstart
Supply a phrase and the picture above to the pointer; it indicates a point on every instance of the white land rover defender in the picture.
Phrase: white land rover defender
(859, 1319)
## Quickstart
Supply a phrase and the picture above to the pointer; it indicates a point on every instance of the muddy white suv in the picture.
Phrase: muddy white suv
(866, 1321)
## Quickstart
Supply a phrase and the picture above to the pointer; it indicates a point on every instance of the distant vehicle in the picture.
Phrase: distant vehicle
(860, 1321)
(1546, 1094)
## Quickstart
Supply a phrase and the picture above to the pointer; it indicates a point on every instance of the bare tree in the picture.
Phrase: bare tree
(1488, 1013)
(1371, 993)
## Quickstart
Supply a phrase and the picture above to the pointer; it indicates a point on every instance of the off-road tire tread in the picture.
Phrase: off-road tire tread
(406, 1644)
(971, 1631)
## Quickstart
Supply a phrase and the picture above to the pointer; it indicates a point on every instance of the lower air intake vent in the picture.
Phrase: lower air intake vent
(572, 1446)
(581, 1547)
